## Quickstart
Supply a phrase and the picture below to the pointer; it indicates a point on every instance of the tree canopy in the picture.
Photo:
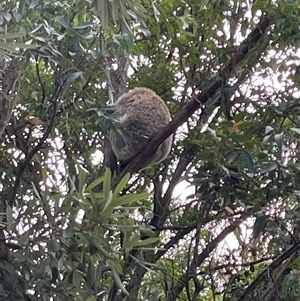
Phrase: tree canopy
(218, 219)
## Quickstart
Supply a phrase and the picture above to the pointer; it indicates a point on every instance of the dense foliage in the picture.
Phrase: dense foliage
(218, 219)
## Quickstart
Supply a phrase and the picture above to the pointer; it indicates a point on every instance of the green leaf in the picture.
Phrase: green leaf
(117, 280)
(248, 160)
(231, 157)
(84, 25)
(146, 32)
(267, 167)
(146, 241)
(13, 47)
(149, 232)
(121, 185)
(33, 3)
(156, 12)
(68, 233)
(64, 21)
(294, 165)
(107, 184)
(36, 192)
(132, 241)
(279, 140)
(11, 35)
(53, 245)
(266, 139)
(125, 41)
(24, 238)
(128, 199)
(259, 225)
(297, 130)
(54, 273)
(102, 251)
(240, 116)
(108, 208)
(90, 277)
(76, 278)
(95, 183)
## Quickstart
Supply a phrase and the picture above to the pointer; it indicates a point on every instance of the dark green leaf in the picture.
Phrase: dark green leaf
(267, 167)
(64, 21)
(53, 245)
(248, 160)
(90, 277)
(118, 280)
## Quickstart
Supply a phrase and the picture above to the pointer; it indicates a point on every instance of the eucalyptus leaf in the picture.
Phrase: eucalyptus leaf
(118, 280)
(267, 167)
(279, 140)
(147, 241)
(64, 21)
(91, 273)
(53, 245)
(297, 130)
(268, 129)
(121, 185)
(248, 160)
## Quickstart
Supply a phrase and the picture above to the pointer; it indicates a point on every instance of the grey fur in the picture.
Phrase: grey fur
(142, 114)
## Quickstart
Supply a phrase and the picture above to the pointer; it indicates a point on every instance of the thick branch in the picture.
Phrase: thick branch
(181, 118)
(202, 98)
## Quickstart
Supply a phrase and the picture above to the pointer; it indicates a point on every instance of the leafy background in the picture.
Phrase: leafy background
(218, 219)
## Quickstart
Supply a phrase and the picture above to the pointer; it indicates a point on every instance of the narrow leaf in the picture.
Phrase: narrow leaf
(118, 281)
(146, 241)
(297, 130)
(64, 21)
(54, 245)
(121, 185)
(279, 140)
(95, 183)
(248, 160)
(267, 167)
(90, 276)
(107, 183)
(128, 199)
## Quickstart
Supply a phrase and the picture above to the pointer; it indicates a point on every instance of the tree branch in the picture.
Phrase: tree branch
(198, 260)
(161, 205)
(153, 144)
(271, 267)
(202, 98)
(22, 165)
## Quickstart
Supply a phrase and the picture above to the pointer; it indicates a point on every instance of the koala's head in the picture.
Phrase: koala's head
(134, 98)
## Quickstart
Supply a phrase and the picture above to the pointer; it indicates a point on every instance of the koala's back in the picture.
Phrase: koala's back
(142, 114)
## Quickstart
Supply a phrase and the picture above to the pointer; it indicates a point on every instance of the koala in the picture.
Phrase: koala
(141, 114)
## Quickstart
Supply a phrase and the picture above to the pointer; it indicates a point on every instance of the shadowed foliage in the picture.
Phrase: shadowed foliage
(218, 219)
